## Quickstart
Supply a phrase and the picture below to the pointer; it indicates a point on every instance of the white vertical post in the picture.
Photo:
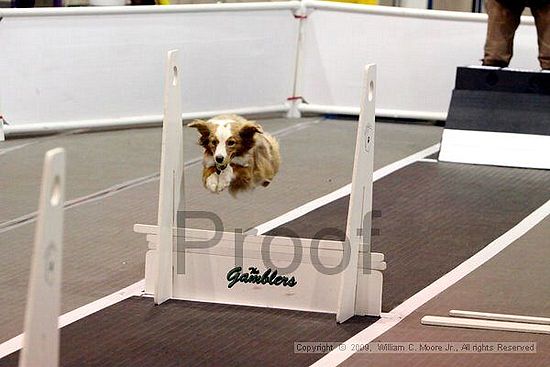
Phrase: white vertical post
(41, 333)
(360, 205)
(171, 178)
(419, 4)
(294, 111)
(2, 135)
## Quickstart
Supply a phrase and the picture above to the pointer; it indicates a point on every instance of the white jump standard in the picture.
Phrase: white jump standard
(41, 333)
(340, 277)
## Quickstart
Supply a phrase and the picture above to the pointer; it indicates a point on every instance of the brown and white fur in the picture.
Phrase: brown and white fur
(238, 154)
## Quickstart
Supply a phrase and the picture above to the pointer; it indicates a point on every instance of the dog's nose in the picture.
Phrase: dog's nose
(219, 158)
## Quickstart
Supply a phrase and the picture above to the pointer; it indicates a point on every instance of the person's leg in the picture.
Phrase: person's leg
(541, 12)
(504, 18)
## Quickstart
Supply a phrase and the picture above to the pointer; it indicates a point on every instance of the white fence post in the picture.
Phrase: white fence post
(295, 99)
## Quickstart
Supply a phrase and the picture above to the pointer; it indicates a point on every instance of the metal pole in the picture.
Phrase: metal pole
(477, 6)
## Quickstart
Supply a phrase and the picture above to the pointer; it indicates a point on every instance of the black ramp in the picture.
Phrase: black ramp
(433, 217)
(502, 80)
(496, 100)
(499, 112)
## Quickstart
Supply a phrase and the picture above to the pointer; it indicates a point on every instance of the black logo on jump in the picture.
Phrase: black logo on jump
(269, 277)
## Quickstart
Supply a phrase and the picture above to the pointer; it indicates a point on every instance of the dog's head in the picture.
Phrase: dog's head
(224, 139)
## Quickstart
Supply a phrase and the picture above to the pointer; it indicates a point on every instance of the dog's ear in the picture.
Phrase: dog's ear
(249, 129)
(201, 126)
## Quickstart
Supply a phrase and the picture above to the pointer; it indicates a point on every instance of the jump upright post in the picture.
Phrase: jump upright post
(41, 333)
(171, 191)
(359, 224)
(339, 277)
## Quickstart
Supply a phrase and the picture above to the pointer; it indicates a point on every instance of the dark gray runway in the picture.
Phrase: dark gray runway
(434, 216)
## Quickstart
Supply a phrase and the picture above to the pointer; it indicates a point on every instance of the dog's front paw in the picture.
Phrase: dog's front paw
(218, 182)
(212, 182)
(225, 178)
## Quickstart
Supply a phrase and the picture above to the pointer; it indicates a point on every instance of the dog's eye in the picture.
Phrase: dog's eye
(214, 142)
(230, 143)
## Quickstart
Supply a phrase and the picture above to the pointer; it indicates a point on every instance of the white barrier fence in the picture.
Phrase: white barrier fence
(94, 67)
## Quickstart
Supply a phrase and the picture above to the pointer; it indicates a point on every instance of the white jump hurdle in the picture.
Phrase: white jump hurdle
(41, 333)
(319, 282)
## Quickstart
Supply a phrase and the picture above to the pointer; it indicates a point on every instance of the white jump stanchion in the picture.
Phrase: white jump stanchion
(41, 333)
(171, 177)
(264, 271)
(358, 228)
